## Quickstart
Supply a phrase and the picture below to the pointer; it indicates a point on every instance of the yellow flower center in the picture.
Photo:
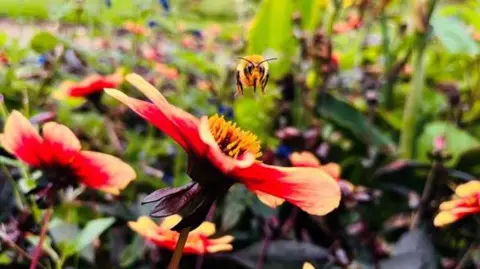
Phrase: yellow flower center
(232, 140)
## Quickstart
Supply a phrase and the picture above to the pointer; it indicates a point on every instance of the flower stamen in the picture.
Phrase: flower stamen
(232, 140)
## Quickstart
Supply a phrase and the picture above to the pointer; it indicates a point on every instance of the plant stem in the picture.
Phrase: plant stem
(427, 191)
(465, 257)
(17, 248)
(266, 243)
(177, 254)
(199, 263)
(414, 98)
(43, 233)
(387, 63)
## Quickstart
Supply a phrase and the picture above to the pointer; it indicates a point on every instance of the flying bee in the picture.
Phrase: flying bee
(252, 71)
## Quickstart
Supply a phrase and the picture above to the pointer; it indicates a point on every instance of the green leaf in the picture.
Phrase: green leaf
(132, 252)
(310, 13)
(43, 42)
(235, 204)
(5, 259)
(346, 116)
(91, 232)
(458, 141)
(272, 31)
(453, 35)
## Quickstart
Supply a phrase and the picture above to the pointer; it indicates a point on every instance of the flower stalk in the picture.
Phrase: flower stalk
(177, 254)
(43, 233)
(414, 98)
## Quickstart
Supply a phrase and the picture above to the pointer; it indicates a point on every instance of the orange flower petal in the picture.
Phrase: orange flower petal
(102, 171)
(333, 169)
(311, 189)
(468, 188)
(170, 221)
(21, 139)
(206, 229)
(443, 218)
(215, 155)
(308, 265)
(450, 204)
(175, 120)
(304, 159)
(269, 200)
(152, 114)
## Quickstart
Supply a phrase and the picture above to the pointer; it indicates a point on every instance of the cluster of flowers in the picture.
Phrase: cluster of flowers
(220, 154)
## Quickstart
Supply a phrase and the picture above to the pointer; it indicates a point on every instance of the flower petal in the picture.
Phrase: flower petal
(21, 139)
(448, 205)
(185, 123)
(174, 202)
(304, 159)
(468, 188)
(152, 114)
(102, 171)
(333, 169)
(308, 265)
(443, 218)
(170, 221)
(161, 193)
(206, 229)
(268, 199)
(60, 143)
(311, 189)
(225, 163)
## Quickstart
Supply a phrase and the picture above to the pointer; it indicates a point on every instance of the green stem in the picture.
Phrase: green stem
(387, 63)
(337, 5)
(414, 98)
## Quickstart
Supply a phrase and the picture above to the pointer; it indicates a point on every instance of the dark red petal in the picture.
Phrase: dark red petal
(311, 189)
(21, 139)
(174, 202)
(161, 193)
(102, 171)
(196, 214)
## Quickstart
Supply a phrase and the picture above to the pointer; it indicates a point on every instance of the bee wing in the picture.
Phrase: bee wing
(264, 82)
(239, 86)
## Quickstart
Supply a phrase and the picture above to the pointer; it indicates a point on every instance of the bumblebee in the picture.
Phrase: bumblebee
(252, 71)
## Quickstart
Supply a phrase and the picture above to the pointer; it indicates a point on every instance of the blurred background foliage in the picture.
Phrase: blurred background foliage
(370, 85)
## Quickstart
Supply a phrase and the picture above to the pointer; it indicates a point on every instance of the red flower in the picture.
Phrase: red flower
(57, 153)
(198, 241)
(219, 155)
(467, 203)
(92, 84)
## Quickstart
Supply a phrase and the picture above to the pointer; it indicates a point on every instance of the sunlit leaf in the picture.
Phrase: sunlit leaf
(453, 35)
(458, 141)
(91, 232)
(43, 42)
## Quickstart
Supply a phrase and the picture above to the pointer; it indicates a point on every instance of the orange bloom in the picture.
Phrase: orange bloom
(57, 153)
(308, 265)
(170, 73)
(92, 84)
(219, 155)
(135, 28)
(198, 241)
(307, 159)
(466, 203)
